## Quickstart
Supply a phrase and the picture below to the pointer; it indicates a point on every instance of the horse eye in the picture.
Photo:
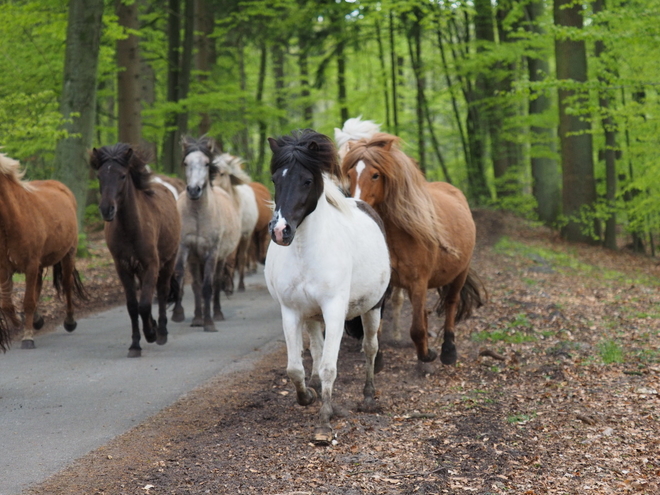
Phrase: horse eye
(123, 176)
(308, 182)
(375, 176)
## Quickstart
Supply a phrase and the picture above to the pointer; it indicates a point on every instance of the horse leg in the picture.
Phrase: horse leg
(418, 330)
(217, 288)
(397, 305)
(315, 331)
(127, 279)
(371, 325)
(38, 320)
(32, 274)
(333, 315)
(293, 326)
(197, 271)
(68, 269)
(448, 350)
(207, 290)
(146, 302)
(178, 313)
(163, 286)
(241, 261)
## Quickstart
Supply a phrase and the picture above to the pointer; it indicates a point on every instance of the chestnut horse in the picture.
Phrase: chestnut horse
(38, 228)
(328, 261)
(261, 235)
(430, 235)
(142, 233)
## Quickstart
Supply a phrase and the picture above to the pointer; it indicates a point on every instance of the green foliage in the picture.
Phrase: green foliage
(611, 352)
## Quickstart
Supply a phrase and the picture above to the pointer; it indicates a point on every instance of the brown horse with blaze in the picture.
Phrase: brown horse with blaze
(430, 234)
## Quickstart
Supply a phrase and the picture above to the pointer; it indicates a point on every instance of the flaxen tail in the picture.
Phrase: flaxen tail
(473, 296)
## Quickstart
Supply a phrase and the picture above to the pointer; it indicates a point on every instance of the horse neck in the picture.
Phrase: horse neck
(12, 196)
(131, 213)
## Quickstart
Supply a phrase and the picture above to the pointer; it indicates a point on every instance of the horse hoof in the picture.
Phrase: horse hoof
(38, 323)
(241, 288)
(322, 435)
(150, 337)
(218, 316)
(161, 339)
(430, 356)
(309, 398)
(210, 328)
(27, 344)
(70, 326)
(133, 353)
(378, 363)
(197, 321)
(178, 316)
(448, 354)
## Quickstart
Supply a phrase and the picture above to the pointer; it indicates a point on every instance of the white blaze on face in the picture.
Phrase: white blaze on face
(280, 224)
(358, 169)
(196, 169)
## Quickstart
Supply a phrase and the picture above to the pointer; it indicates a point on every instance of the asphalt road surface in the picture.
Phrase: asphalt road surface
(77, 391)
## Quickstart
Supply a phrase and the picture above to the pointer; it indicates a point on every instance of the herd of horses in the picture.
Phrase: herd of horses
(353, 224)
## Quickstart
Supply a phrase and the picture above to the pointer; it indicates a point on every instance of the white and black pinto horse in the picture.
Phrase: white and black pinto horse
(328, 261)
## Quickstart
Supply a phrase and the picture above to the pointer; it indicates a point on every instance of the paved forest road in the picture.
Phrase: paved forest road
(77, 391)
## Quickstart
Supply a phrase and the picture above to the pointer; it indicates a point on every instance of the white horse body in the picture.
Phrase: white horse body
(330, 244)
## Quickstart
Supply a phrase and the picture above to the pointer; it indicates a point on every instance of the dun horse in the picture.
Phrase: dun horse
(210, 232)
(38, 229)
(430, 234)
(142, 233)
(328, 262)
(236, 182)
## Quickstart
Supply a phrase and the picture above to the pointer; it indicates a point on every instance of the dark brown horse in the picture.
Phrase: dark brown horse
(142, 232)
(38, 228)
(430, 235)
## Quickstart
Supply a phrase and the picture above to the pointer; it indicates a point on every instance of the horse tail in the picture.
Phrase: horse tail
(5, 333)
(175, 290)
(473, 295)
(78, 288)
(354, 328)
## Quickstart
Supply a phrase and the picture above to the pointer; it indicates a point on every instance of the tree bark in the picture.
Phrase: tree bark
(383, 74)
(393, 59)
(579, 185)
(170, 143)
(261, 152)
(205, 56)
(81, 59)
(185, 74)
(278, 70)
(546, 176)
(415, 49)
(610, 131)
(129, 108)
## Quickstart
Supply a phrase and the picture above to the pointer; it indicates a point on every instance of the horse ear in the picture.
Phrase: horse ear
(128, 155)
(93, 159)
(314, 146)
(386, 144)
(273, 145)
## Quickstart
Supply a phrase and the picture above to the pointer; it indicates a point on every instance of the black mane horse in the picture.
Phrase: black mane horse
(142, 232)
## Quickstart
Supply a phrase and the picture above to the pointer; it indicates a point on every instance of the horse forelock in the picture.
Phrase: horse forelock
(206, 145)
(312, 150)
(134, 161)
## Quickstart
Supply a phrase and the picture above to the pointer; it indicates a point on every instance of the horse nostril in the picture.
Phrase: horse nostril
(286, 232)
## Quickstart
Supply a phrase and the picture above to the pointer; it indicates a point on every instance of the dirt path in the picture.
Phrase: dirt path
(565, 401)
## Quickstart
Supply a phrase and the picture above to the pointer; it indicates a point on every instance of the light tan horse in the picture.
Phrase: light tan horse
(430, 235)
(235, 181)
(210, 232)
(38, 229)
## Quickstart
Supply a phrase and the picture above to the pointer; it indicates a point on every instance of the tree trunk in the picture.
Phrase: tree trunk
(383, 74)
(205, 56)
(415, 48)
(341, 79)
(579, 186)
(261, 152)
(393, 59)
(610, 130)
(185, 74)
(81, 59)
(170, 143)
(243, 134)
(129, 108)
(278, 69)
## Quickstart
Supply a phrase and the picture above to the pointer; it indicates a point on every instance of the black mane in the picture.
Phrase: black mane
(313, 150)
(134, 161)
(206, 145)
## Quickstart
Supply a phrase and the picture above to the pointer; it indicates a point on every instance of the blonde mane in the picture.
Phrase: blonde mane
(11, 169)
(334, 196)
(407, 202)
(234, 167)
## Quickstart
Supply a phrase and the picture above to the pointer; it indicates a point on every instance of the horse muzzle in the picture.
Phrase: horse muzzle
(281, 233)
(108, 212)
(194, 192)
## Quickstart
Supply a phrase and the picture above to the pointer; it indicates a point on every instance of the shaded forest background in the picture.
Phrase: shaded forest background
(546, 108)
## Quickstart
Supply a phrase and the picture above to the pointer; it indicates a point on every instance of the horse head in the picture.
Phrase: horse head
(297, 167)
(117, 166)
(198, 162)
(368, 165)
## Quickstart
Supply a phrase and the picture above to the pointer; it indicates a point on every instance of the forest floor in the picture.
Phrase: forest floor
(555, 392)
